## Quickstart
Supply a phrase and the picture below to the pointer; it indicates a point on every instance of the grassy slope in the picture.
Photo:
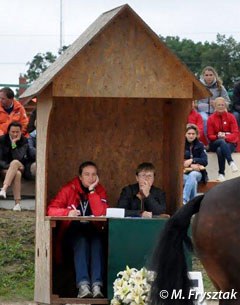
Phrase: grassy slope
(17, 257)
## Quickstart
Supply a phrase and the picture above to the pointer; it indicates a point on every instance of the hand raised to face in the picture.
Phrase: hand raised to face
(94, 184)
(145, 188)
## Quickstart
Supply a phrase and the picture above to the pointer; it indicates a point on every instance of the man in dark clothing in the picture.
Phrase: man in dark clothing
(143, 199)
(236, 101)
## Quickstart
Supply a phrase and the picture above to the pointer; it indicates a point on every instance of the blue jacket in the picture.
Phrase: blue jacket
(197, 152)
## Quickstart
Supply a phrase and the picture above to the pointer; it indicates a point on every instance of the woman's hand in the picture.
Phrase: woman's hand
(221, 135)
(74, 213)
(187, 163)
(92, 186)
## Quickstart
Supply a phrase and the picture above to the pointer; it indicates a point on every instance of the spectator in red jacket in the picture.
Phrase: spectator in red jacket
(222, 131)
(83, 196)
(11, 111)
(195, 118)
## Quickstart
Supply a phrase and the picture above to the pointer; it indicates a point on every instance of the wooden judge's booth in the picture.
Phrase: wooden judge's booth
(116, 96)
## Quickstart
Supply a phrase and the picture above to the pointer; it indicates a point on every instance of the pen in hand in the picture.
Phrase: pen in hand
(74, 211)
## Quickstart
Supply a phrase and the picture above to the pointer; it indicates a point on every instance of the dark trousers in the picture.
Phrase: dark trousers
(224, 152)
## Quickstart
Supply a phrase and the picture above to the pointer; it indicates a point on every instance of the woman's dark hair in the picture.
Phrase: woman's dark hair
(85, 164)
(15, 124)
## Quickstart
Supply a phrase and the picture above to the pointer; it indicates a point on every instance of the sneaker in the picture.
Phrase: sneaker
(3, 193)
(96, 290)
(233, 166)
(221, 178)
(17, 207)
(84, 292)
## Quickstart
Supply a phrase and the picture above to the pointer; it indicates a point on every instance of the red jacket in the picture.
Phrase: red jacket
(18, 114)
(195, 118)
(69, 195)
(222, 122)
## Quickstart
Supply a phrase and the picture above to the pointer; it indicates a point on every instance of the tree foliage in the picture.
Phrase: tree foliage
(38, 65)
(223, 55)
(40, 62)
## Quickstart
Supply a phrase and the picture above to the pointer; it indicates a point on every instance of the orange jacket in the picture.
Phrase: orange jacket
(18, 114)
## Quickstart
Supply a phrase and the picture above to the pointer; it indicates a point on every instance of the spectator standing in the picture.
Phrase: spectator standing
(236, 102)
(222, 131)
(143, 199)
(13, 150)
(211, 80)
(11, 111)
(83, 196)
(195, 160)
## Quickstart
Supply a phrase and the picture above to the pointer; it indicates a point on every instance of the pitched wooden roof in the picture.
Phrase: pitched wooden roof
(150, 79)
(71, 51)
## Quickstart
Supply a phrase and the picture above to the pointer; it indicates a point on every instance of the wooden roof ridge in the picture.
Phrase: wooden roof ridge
(105, 19)
(85, 38)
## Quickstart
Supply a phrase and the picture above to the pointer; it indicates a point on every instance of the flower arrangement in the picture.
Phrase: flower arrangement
(132, 287)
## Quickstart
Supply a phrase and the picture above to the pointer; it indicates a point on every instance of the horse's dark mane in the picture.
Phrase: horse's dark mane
(169, 261)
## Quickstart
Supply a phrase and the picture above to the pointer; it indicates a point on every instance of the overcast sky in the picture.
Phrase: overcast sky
(28, 27)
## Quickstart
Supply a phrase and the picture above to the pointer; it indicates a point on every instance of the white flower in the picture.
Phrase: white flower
(132, 286)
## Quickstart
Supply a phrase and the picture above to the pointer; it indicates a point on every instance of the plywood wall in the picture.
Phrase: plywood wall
(124, 60)
(117, 134)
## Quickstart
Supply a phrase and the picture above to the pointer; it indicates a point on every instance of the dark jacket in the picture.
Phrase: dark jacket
(32, 145)
(198, 154)
(236, 97)
(8, 154)
(155, 202)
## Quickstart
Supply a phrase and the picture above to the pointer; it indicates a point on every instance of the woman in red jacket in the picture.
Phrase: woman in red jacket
(222, 131)
(83, 196)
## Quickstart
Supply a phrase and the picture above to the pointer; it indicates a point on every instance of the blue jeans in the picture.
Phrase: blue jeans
(224, 152)
(204, 116)
(87, 246)
(190, 185)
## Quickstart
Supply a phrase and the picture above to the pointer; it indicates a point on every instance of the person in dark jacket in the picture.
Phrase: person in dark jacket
(236, 101)
(30, 164)
(195, 160)
(13, 149)
(143, 199)
(32, 121)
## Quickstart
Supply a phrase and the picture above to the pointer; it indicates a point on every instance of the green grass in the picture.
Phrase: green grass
(16, 255)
